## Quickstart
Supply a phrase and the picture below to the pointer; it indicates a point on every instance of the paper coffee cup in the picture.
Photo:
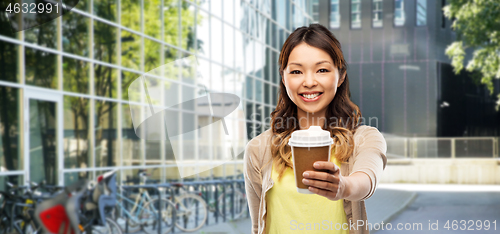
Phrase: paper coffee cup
(309, 146)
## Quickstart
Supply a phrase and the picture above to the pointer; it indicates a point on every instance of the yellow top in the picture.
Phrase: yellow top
(289, 211)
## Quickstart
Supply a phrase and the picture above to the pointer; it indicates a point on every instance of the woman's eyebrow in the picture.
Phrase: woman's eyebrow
(318, 63)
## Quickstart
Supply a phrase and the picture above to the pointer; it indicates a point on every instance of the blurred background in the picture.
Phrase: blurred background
(65, 115)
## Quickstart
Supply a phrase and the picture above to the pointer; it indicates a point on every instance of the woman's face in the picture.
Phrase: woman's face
(311, 79)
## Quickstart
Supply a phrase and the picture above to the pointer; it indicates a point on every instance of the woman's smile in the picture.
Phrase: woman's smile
(311, 97)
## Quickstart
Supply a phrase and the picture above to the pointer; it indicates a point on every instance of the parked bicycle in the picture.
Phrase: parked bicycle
(191, 209)
(140, 211)
(81, 208)
(17, 207)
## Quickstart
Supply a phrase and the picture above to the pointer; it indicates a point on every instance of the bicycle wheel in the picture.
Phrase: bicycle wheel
(111, 227)
(150, 214)
(192, 212)
(123, 220)
(239, 204)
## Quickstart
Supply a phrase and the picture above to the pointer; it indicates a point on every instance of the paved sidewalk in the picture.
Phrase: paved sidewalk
(387, 202)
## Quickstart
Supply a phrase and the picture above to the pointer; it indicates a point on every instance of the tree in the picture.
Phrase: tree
(477, 24)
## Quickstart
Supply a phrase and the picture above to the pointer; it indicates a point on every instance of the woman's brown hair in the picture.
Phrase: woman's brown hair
(342, 115)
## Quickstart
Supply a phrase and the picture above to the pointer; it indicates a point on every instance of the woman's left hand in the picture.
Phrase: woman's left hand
(330, 184)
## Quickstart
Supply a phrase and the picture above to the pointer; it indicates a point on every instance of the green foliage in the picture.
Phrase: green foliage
(477, 24)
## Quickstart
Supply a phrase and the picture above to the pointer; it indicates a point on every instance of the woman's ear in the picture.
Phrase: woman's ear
(342, 78)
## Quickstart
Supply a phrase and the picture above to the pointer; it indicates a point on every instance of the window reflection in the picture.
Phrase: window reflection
(131, 144)
(83, 5)
(355, 13)
(76, 133)
(130, 47)
(104, 42)
(105, 79)
(43, 35)
(249, 88)
(106, 9)
(152, 18)
(421, 12)
(105, 134)
(75, 75)
(75, 34)
(399, 13)
(9, 61)
(10, 155)
(41, 68)
(152, 50)
(171, 22)
(127, 79)
(377, 14)
(202, 33)
(131, 14)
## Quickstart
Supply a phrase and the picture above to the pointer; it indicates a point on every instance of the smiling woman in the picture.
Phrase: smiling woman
(314, 90)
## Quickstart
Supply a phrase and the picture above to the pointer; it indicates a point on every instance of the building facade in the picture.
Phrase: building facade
(399, 74)
(65, 112)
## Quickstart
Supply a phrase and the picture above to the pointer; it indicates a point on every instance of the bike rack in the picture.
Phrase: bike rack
(147, 186)
(200, 186)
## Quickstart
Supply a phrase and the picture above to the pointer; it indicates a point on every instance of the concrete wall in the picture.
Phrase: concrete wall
(442, 171)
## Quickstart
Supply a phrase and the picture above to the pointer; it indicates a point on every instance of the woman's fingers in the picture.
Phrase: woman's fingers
(324, 176)
(324, 165)
(321, 184)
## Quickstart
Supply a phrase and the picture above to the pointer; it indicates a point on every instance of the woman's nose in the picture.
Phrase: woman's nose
(309, 80)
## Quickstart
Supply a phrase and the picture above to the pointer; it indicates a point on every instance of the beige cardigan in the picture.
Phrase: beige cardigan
(368, 156)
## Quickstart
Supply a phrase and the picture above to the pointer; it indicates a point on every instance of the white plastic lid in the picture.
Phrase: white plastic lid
(315, 136)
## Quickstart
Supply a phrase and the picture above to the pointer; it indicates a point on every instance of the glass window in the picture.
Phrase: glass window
(334, 14)
(131, 14)
(378, 14)
(106, 151)
(105, 79)
(75, 75)
(83, 5)
(267, 93)
(152, 18)
(76, 133)
(106, 9)
(171, 22)
(10, 134)
(75, 34)
(131, 144)
(130, 46)
(355, 13)
(9, 61)
(41, 68)
(443, 17)
(44, 35)
(127, 78)
(258, 90)
(152, 52)
(315, 9)
(229, 45)
(421, 12)
(104, 42)
(399, 13)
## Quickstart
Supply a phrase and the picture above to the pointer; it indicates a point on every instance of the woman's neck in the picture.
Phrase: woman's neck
(307, 119)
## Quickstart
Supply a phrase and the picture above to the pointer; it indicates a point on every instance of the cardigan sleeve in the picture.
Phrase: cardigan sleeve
(370, 156)
(253, 181)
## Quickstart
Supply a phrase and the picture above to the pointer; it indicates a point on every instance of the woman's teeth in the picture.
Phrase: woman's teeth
(310, 96)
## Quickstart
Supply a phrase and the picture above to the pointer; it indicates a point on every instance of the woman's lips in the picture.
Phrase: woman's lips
(311, 100)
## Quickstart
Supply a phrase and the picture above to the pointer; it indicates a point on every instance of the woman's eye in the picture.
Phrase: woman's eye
(324, 70)
(294, 72)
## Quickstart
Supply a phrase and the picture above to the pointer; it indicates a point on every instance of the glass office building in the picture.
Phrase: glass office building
(64, 106)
